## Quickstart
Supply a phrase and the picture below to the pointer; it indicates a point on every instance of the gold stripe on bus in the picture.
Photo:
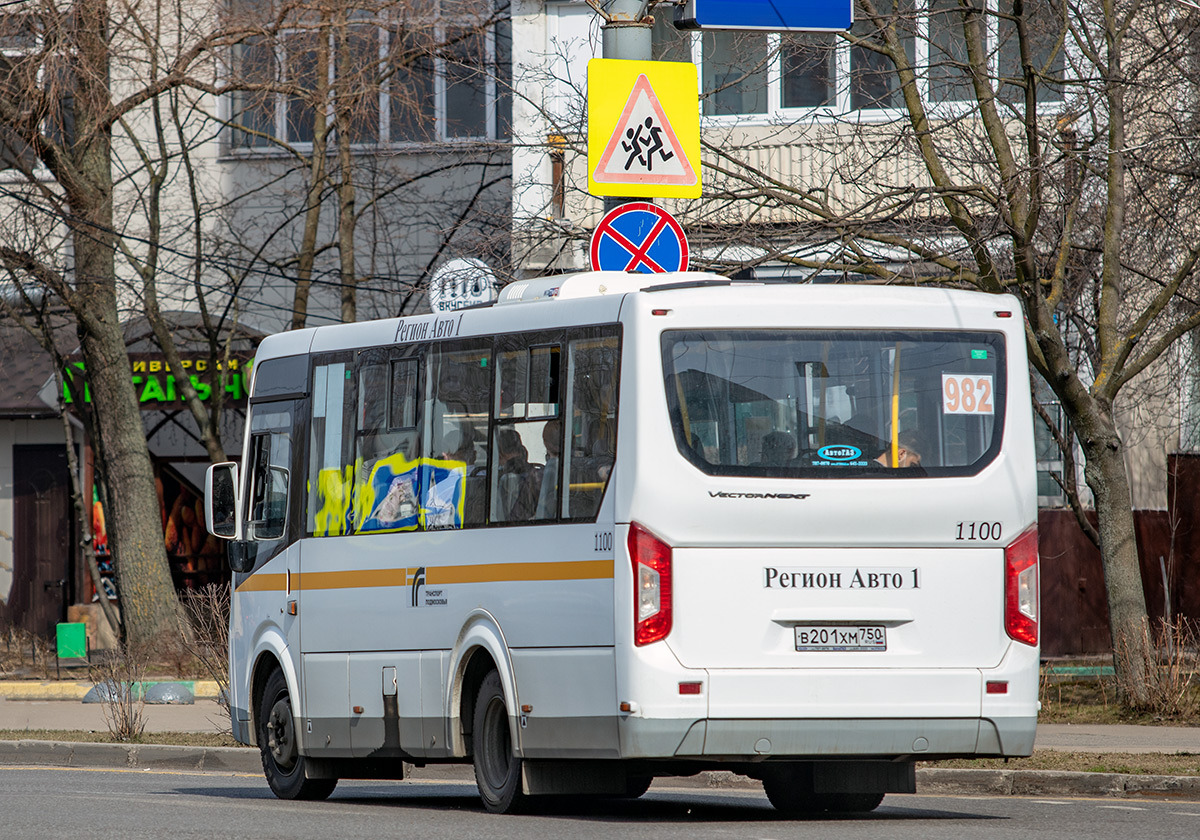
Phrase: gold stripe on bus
(497, 572)
(263, 583)
(356, 579)
(434, 576)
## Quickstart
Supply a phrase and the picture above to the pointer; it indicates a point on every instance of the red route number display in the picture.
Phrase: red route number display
(966, 394)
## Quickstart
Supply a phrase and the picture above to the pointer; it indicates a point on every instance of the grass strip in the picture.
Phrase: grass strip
(178, 739)
(1137, 764)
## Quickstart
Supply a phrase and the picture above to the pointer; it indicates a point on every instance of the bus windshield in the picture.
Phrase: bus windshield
(835, 404)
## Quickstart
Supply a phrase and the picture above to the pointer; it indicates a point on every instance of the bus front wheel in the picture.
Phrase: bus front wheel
(282, 763)
(497, 769)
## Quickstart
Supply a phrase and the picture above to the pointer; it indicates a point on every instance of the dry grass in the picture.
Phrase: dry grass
(115, 677)
(178, 739)
(1169, 686)
(23, 654)
(1094, 700)
(207, 644)
(1155, 764)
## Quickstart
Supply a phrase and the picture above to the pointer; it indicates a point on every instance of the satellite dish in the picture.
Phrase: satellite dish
(460, 283)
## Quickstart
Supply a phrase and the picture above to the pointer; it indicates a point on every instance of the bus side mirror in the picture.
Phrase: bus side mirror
(222, 513)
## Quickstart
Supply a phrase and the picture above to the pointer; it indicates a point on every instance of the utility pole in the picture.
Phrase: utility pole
(626, 34)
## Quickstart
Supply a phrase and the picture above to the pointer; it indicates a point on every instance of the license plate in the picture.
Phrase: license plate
(841, 637)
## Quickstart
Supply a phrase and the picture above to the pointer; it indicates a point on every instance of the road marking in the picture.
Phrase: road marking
(1183, 814)
(1121, 807)
(1049, 802)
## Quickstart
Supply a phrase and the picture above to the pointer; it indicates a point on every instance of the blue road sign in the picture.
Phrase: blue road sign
(639, 237)
(772, 15)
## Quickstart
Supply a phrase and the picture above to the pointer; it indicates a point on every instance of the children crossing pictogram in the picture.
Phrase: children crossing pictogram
(653, 145)
(644, 149)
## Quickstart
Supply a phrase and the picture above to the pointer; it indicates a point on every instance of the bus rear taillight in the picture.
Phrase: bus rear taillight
(1021, 588)
(651, 559)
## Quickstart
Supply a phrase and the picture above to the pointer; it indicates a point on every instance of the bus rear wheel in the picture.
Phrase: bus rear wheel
(497, 769)
(794, 801)
(853, 803)
(282, 763)
(636, 786)
(790, 789)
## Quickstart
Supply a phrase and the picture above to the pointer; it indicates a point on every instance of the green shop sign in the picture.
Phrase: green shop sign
(158, 386)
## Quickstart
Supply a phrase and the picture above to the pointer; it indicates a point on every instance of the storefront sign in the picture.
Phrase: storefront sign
(158, 386)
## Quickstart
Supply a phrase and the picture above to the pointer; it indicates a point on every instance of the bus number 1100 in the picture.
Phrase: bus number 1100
(978, 531)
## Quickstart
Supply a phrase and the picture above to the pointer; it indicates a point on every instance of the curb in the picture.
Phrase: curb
(929, 780)
(137, 756)
(1056, 783)
(76, 689)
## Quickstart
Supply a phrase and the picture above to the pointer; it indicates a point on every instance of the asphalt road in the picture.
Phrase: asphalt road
(41, 802)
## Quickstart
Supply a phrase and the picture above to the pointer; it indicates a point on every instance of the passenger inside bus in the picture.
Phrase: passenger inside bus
(518, 481)
(908, 452)
(547, 504)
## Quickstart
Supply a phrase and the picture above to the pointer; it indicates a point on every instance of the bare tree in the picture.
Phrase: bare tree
(86, 78)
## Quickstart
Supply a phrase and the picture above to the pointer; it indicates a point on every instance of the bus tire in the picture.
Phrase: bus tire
(635, 786)
(853, 803)
(497, 768)
(791, 797)
(282, 763)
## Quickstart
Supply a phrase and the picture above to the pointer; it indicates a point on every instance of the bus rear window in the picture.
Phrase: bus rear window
(804, 403)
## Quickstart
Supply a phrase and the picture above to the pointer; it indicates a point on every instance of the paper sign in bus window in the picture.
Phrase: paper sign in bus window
(964, 393)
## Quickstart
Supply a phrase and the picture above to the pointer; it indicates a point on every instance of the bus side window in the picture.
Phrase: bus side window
(453, 476)
(593, 364)
(528, 432)
(270, 462)
(386, 463)
(331, 451)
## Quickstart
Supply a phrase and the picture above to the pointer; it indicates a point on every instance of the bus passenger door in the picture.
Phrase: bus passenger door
(272, 531)
(329, 611)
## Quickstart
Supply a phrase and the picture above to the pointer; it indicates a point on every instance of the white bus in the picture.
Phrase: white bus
(619, 526)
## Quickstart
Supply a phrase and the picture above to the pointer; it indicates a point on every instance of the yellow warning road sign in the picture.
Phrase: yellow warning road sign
(643, 128)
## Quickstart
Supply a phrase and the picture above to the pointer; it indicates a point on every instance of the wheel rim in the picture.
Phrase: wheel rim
(496, 744)
(281, 739)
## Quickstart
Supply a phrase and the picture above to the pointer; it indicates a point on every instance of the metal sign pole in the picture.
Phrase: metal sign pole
(626, 34)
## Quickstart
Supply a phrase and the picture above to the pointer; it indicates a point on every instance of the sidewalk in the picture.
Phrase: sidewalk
(206, 716)
(1086, 738)
(203, 716)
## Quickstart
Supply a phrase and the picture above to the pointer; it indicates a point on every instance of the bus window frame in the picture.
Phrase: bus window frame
(994, 339)
(244, 552)
(590, 332)
(348, 357)
(514, 342)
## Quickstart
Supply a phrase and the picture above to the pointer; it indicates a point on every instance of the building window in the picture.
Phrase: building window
(760, 74)
(36, 75)
(734, 73)
(418, 72)
(809, 69)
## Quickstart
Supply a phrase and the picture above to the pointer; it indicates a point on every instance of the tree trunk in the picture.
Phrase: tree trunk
(149, 607)
(146, 591)
(1104, 471)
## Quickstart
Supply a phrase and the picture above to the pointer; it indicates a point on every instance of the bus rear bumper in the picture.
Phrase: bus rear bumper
(763, 739)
